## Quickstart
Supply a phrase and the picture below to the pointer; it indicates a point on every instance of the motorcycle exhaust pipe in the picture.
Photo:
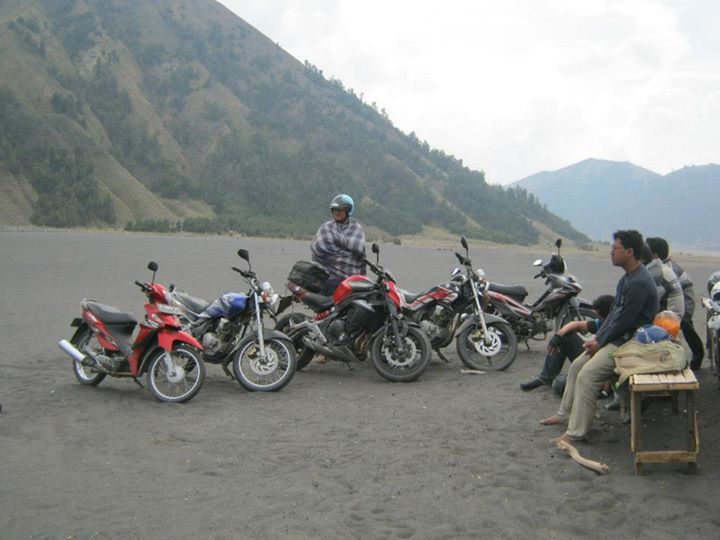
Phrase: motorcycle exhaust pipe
(72, 352)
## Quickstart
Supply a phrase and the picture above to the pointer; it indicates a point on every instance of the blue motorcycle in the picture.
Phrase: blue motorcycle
(231, 330)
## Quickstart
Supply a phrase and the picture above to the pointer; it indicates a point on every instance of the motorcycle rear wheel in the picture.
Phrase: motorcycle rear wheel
(86, 342)
(269, 374)
(497, 355)
(397, 366)
(181, 385)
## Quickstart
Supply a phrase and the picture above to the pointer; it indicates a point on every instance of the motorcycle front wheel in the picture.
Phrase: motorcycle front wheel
(496, 353)
(267, 373)
(86, 342)
(405, 364)
(176, 377)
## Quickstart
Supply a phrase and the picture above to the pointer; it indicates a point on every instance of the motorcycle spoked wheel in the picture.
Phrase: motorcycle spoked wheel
(401, 365)
(86, 342)
(497, 354)
(303, 353)
(180, 383)
(268, 374)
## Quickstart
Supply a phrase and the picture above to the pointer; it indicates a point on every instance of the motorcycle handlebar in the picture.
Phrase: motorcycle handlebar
(142, 286)
(243, 273)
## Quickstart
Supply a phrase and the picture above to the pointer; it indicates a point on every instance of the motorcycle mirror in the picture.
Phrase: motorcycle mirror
(153, 267)
(558, 243)
(463, 242)
(375, 249)
(243, 254)
(537, 262)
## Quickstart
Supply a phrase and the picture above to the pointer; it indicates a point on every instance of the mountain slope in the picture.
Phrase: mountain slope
(149, 112)
(599, 197)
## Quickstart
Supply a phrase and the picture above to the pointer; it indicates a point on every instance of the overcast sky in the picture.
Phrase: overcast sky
(515, 87)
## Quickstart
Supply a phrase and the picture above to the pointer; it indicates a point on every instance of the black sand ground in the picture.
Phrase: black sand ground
(337, 453)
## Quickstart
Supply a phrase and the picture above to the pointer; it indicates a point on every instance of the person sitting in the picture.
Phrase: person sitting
(567, 344)
(635, 305)
(339, 244)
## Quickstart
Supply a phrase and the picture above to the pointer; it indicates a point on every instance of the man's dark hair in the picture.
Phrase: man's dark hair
(659, 247)
(602, 305)
(630, 239)
(645, 254)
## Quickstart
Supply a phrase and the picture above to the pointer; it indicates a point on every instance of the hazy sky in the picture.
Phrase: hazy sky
(515, 87)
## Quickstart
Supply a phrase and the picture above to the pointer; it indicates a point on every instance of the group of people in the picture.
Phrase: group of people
(651, 282)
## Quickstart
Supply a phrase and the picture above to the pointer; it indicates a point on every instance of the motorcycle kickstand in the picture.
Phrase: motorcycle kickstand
(228, 372)
(138, 382)
(442, 356)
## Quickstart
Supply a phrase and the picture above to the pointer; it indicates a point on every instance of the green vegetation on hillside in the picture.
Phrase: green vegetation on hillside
(197, 105)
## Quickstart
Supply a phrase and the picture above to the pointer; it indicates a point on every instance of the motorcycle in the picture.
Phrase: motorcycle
(558, 305)
(107, 342)
(231, 330)
(363, 317)
(712, 327)
(484, 341)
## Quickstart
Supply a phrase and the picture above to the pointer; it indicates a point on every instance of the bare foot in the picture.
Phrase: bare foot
(562, 438)
(553, 420)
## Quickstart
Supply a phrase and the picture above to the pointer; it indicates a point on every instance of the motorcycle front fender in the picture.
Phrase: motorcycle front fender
(403, 324)
(168, 338)
(489, 318)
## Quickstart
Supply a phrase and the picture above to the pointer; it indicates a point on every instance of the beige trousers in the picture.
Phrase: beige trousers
(585, 379)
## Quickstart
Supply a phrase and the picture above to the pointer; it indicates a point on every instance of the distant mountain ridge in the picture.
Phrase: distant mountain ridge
(155, 114)
(600, 196)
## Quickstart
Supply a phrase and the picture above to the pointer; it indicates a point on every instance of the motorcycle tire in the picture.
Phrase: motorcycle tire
(303, 353)
(581, 314)
(182, 385)
(406, 367)
(496, 356)
(86, 342)
(269, 374)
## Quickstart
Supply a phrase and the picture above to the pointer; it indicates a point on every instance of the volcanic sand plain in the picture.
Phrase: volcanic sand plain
(338, 453)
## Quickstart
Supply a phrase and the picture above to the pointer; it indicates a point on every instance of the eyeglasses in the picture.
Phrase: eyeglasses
(336, 210)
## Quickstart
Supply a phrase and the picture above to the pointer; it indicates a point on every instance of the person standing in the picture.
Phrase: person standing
(635, 305)
(339, 244)
(659, 247)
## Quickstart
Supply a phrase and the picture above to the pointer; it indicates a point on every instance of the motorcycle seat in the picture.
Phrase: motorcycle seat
(193, 303)
(515, 291)
(110, 314)
(318, 302)
(411, 297)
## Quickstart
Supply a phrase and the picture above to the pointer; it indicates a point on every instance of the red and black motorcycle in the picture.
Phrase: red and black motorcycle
(107, 342)
(456, 308)
(558, 305)
(363, 317)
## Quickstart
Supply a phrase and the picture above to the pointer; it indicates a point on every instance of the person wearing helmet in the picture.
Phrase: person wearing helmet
(660, 249)
(339, 244)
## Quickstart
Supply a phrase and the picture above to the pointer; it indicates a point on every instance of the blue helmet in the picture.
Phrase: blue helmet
(343, 201)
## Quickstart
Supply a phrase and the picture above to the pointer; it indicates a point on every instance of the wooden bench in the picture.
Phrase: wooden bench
(672, 384)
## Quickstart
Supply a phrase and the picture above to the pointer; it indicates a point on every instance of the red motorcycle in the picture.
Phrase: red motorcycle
(362, 318)
(107, 342)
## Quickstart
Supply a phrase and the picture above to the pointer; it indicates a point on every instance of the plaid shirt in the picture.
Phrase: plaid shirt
(340, 248)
